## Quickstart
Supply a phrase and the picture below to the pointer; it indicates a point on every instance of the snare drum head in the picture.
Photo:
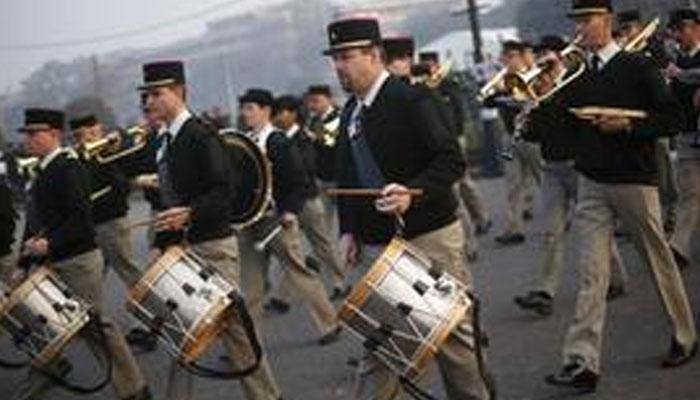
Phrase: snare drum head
(253, 185)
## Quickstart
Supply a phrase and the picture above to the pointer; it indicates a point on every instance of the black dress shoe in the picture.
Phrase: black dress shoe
(483, 228)
(615, 292)
(539, 302)
(681, 260)
(678, 356)
(313, 263)
(575, 376)
(276, 305)
(510, 239)
(143, 340)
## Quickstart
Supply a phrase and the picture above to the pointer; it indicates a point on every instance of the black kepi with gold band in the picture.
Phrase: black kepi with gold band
(682, 16)
(398, 47)
(41, 119)
(84, 121)
(586, 7)
(163, 73)
(353, 33)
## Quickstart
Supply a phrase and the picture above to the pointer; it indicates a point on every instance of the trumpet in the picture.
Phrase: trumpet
(493, 85)
(111, 147)
(26, 167)
(640, 41)
(434, 79)
(326, 132)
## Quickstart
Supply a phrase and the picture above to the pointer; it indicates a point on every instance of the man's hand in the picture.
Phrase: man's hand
(37, 246)
(350, 249)
(17, 277)
(394, 199)
(672, 71)
(288, 220)
(173, 219)
(611, 124)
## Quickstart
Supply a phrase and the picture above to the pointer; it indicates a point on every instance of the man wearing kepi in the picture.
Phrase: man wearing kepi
(393, 138)
(195, 182)
(615, 155)
(62, 232)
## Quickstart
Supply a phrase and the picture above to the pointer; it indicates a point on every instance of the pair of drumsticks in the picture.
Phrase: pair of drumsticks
(333, 192)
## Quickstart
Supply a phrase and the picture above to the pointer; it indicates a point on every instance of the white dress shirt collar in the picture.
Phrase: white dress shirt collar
(260, 136)
(176, 125)
(369, 98)
(607, 52)
(293, 130)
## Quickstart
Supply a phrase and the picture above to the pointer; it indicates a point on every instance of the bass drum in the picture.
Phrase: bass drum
(253, 178)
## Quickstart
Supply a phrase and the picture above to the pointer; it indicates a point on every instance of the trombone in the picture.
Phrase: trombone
(640, 41)
(111, 147)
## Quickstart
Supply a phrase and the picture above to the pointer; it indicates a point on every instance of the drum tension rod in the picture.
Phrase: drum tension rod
(435, 272)
(171, 304)
(420, 287)
(404, 308)
(188, 289)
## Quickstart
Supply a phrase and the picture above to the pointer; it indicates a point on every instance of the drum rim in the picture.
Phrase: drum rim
(381, 267)
(138, 292)
(234, 136)
(54, 347)
(201, 335)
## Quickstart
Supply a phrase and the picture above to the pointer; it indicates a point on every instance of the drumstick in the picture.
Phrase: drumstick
(261, 245)
(352, 192)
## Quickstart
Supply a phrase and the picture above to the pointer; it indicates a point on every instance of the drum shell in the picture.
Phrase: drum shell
(43, 312)
(201, 311)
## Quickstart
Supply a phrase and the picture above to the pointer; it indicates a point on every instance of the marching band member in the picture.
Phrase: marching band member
(393, 136)
(313, 218)
(196, 187)
(291, 187)
(685, 24)
(66, 237)
(323, 123)
(559, 188)
(616, 159)
(110, 188)
(8, 218)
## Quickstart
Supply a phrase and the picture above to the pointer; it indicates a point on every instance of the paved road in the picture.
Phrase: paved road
(524, 348)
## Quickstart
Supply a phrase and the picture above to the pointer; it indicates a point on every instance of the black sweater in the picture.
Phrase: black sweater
(629, 81)
(684, 92)
(61, 198)
(107, 177)
(7, 219)
(413, 145)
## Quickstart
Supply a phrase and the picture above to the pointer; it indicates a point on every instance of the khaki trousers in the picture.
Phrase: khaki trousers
(113, 238)
(456, 360)
(471, 196)
(638, 208)
(297, 280)
(522, 176)
(83, 274)
(688, 207)
(222, 255)
(559, 188)
(314, 222)
(471, 243)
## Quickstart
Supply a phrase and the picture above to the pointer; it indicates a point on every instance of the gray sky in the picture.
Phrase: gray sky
(28, 22)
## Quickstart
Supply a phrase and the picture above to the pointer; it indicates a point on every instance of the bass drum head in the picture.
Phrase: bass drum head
(253, 178)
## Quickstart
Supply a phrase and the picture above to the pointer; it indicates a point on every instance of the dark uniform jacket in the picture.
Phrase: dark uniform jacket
(630, 81)
(144, 162)
(111, 179)
(684, 92)
(202, 179)
(307, 151)
(7, 219)
(413, 145)
(292, 185)
(61, 199)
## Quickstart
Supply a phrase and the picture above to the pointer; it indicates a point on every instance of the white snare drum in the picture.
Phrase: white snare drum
(184, 301)
(403, 310)
(42, 315)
